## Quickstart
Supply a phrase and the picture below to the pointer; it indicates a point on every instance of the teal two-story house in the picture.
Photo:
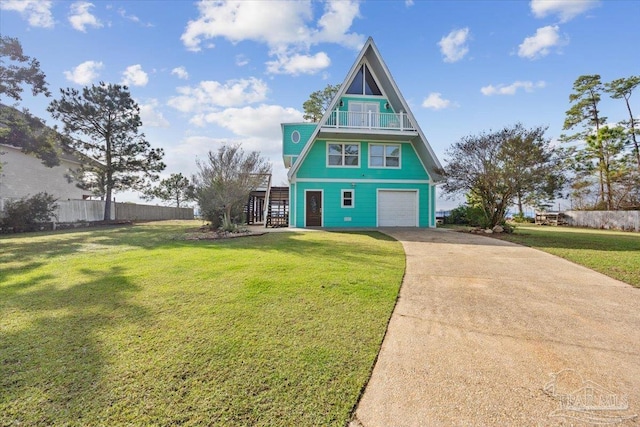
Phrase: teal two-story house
(367, 162)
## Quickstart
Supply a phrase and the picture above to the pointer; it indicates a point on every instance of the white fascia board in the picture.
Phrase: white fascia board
(435, 163)
(366, 181)
(334, 102)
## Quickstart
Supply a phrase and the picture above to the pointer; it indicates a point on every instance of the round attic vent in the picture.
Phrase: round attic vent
(295, 136)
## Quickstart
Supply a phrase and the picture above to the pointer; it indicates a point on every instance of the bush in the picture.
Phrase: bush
(508, 228)
(520, 219)
(215, 217)
(231, 226)
(467, 215)
(26, 213)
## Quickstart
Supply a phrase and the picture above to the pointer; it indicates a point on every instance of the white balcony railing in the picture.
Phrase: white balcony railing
(369, 120)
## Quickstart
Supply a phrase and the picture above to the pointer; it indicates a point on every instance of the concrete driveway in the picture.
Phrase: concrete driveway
(488, 333)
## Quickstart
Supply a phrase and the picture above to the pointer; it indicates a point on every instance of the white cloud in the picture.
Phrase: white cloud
(193, 147)
(37, 12)
(238, 20)
(408, 3)
(334, 24)
(256, 129)
(259, 122)
(288, 33)
(85, 73)
(182, 157)
(241, 20)
(299, 64)
(539, 44)
(150, 115)
(511, 89)
(133, 18)
(133, 75)
(565, 9)
(80, 17)
(241, 60)
(181, 72)
(435, 101)
(211, 94)
(454, 45)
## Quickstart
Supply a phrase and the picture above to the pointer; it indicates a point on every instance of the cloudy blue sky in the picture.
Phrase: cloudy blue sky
(210, 72)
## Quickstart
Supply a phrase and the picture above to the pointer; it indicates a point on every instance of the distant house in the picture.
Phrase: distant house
(24, 175)
(366, 163)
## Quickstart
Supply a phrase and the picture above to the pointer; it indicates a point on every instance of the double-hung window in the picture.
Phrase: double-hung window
(347, 155)
(348, 198)
(384, 155)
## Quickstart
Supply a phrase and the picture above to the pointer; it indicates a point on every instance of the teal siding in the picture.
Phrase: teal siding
(314, 165)
(432, 217)
(292, 204)
(364, 212)
(313, 173)
(382, 101)
(289, 148)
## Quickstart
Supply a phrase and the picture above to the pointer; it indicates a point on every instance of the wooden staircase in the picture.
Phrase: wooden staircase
(268, 205)
(255, 208)
(277, 207)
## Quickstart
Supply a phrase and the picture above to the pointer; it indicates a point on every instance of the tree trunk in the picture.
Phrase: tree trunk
(633, 132)
(107, 206)
(227, 213)
(601, 186)
(520, 212)
(609, 190)
(598, 144)
(108, 176)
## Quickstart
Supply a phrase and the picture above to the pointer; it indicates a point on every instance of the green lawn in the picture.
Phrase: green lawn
(134, 325)
(614, 253)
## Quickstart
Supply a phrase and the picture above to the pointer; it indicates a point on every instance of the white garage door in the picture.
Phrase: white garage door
(397, 208)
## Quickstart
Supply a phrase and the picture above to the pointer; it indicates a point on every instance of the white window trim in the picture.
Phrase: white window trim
(343, 154)
(353, 198)
(384, 157)
(361, 98)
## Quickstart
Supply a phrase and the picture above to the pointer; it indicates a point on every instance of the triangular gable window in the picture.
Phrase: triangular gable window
(364, 83)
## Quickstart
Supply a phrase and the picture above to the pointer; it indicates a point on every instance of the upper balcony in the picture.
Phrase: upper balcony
(369, 120)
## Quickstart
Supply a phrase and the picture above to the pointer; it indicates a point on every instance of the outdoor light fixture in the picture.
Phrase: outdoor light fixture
(386, 105)
(341, 103)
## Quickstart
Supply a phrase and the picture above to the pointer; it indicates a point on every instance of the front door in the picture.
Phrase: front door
(314, 209)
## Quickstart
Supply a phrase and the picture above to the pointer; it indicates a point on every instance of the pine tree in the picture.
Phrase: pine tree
(102, 123)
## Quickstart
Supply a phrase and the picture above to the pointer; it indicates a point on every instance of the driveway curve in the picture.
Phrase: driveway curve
(489, 333)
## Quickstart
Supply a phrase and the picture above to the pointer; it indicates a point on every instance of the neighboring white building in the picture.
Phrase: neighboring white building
(24, 175)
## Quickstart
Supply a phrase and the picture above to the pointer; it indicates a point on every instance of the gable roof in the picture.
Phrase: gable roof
(390, 89)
